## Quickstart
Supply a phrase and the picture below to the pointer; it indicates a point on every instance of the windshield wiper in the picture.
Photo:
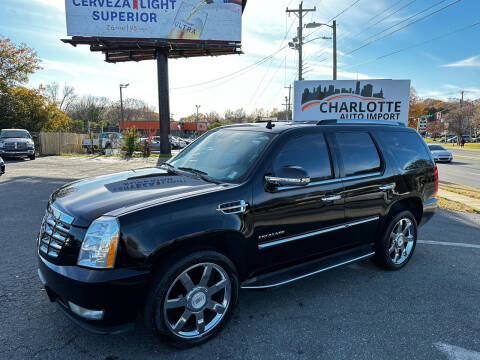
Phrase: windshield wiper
(169, 167)
(201, 174)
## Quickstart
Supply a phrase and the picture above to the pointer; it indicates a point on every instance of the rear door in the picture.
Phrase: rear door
(295, 222)
(368, 183)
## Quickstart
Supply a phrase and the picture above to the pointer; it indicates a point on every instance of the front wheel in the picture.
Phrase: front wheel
(396, 246)
(193, 299)
(31, 157)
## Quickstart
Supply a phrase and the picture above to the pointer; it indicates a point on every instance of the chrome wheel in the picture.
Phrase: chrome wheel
(197, 300)
(401, 241)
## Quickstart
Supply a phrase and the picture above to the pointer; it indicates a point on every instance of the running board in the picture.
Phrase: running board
(301, 271)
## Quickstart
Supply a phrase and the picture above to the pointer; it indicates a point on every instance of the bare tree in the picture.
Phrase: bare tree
(64, 98)
(459, 119)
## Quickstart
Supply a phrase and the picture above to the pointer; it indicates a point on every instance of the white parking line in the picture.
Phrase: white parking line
(456, 352)
(446, 243)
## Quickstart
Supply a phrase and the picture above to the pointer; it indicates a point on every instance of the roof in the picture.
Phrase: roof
(14, 130)
(282, 126)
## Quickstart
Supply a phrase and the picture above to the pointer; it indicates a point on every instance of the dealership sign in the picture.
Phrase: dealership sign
(352, 99)
(218, 20)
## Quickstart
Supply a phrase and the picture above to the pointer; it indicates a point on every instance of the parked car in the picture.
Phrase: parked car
(175, 143)
(107, 140)
(249, 206)
(2, 167)
(440, 154)
(16, 143)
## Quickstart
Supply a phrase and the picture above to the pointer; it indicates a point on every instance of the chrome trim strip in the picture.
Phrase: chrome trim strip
(240, 208)
(309, 274)
(66, 219)
(331, 181)
(315, 233)
(359, 222)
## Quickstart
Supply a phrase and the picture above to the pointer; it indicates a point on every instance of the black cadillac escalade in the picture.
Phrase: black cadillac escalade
(247, 206)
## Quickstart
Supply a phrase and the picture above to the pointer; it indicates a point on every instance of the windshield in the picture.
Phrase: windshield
(14, 134)
(224, 155)
(435, 147)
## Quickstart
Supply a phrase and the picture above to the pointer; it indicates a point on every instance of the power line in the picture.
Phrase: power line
(403, 27)
(406, 19)
(414, 46)
(242, 70)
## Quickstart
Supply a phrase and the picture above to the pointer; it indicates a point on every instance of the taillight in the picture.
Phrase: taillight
(435, 173)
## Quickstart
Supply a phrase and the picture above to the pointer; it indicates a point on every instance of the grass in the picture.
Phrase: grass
(467, 146)
(455, 206)
(461, 189)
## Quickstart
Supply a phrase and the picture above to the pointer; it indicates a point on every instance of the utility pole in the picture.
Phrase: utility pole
(461, 100)
(122, 86)
(334, 27)
(198, 118)
(286, 107)
(300, 13)
(289, 102)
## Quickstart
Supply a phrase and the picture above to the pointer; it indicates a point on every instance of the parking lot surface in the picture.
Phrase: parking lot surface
(428, 310)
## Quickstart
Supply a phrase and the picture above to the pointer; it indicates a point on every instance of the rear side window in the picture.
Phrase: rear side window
(359, 153)
(309, 152)
(407, 148)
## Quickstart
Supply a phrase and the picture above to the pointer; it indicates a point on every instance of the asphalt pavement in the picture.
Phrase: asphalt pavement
(463, 170)
(428, 310)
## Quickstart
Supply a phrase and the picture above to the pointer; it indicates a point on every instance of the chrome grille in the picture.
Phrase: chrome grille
(54, 231)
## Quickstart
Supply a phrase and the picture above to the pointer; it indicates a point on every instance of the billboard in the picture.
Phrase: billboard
(352, 99)
(219, 20)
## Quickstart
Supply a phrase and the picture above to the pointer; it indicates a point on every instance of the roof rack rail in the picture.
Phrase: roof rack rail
(360, 122)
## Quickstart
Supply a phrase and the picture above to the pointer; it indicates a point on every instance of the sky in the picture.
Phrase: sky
(439, 53)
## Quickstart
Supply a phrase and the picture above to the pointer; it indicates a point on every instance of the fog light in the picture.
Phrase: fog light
(86, 313)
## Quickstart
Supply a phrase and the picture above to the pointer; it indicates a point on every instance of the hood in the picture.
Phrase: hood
(441, 152)
(88, 199)
(18, 140)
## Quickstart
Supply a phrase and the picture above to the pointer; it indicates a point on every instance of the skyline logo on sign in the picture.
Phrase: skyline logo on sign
(317, 95)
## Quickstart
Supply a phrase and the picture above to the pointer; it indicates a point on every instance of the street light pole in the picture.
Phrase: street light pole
(122, 86)
(334, 28)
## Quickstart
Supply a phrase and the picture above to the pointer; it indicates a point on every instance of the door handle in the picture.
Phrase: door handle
(331, 198)
(387, 187)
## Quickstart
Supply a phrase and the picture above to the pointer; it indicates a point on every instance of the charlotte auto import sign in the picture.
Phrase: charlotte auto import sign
(352, 99)
(219, 20)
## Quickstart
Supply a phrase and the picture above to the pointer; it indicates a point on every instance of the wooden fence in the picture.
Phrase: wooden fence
(60, 143)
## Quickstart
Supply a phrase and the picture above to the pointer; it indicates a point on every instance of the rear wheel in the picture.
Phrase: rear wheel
(396, 246)
(192, 301)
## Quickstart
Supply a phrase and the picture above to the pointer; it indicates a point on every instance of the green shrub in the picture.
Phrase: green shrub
(130, 141)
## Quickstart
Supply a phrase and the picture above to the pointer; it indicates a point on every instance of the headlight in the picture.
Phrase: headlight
(30, 145)
(2, 144)
(99, 247)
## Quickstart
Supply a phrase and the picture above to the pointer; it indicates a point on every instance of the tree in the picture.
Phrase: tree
(459, 120)
(64, 99)
(16, 63)
(416, 109)
(436, 129)
(25, 108)
(90, 109)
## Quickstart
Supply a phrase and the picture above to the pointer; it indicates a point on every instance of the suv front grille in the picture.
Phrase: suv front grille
(54, 231)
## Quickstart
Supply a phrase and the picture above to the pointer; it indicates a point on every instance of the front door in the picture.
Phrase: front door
(297, 222)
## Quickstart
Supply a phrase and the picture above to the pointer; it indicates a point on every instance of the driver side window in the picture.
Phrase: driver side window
(309, 152)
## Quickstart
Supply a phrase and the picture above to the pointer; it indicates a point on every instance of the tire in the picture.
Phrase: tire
(32, 157)
(206, 298)
(393, 251)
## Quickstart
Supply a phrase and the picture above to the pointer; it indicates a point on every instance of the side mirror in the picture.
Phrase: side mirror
(288, 176)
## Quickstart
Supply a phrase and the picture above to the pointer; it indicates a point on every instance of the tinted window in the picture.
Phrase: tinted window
(358, 152)
(435, 147)
(14, 134)
(309, 152)
(407, 148)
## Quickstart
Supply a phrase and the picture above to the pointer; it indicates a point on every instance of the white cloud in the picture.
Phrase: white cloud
(473, 61)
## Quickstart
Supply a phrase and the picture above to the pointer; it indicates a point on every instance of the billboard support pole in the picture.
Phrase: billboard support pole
(163, 100)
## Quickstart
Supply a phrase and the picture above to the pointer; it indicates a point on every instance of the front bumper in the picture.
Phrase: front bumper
(429, 209)
(443, 158)
(7, 153)
(118, 292)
